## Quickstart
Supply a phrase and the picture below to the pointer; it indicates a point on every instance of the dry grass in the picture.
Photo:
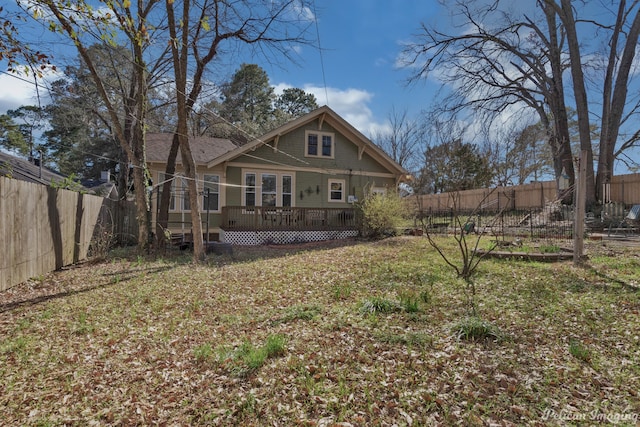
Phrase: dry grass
(278, 336)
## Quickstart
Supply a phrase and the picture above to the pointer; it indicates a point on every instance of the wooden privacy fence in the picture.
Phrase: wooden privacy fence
(44, 229)
(623, 189)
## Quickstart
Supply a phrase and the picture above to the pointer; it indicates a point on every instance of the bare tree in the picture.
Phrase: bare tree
(499, 66)
(622, 43)
(400, 142)
(198, 32)
(83, 24)
(501, 61)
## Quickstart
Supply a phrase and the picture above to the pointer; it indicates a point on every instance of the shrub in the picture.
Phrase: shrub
(382, 215)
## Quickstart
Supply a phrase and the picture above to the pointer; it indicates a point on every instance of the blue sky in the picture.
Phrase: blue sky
(360, 41)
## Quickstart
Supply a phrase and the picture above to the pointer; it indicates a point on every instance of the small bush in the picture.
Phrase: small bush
(382, 214)
(475, 329)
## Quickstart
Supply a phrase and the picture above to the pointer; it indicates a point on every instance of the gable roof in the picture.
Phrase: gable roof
(204, 148)
(329, 116)
(24, 170)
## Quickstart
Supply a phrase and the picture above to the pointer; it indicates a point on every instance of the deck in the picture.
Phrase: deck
(262, 218)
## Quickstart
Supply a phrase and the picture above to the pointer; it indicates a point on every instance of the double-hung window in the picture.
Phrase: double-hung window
(336, 190)
(269, 193)
(211, 194)
(250, 189)
(319, 144)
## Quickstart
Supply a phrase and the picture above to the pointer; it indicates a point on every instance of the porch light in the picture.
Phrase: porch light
(317, 189)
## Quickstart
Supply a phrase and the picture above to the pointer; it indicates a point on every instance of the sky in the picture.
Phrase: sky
(354, 72)
(360, 44)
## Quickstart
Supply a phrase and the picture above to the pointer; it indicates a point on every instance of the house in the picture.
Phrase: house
(24, 170)
(296, 183)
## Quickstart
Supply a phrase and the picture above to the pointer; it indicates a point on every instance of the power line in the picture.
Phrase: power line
(324, 79)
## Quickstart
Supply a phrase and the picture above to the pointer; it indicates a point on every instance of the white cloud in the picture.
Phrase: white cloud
(16, 91)
(20, 89)
(351, 104)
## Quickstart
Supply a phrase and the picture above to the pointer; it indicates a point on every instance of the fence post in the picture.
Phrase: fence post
(578, 220)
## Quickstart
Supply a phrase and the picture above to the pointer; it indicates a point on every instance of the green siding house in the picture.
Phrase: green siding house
(296, 183)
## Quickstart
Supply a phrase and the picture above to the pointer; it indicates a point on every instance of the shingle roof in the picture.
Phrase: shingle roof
(204, 149)
(17, 168)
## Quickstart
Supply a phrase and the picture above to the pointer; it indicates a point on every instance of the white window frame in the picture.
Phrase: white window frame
(258, 187)
(246, 187)
(342, 183)
(264, 193)
(206, 183)
(291, 193)
(320, 136)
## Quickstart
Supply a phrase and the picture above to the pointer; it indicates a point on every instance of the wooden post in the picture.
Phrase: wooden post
(578, 220)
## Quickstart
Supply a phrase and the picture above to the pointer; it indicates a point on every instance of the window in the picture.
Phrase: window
(250, 189)
(268, 189)
(327, 145)
(336, 190)
(312, 144)
(319, 144)
(211, 194)
(287, 190)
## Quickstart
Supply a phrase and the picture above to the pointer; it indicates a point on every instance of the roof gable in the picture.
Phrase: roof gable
(322, 114)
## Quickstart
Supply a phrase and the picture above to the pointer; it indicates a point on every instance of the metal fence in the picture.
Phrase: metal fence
(553, 222)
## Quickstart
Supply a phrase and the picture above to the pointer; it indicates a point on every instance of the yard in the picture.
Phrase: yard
(342, 333)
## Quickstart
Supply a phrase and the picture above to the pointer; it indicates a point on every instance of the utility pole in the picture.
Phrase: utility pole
(578, 220)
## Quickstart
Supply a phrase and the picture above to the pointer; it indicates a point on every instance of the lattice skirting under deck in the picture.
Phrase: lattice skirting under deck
(282, 237)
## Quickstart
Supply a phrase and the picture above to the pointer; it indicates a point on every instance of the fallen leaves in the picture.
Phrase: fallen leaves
(80, 347)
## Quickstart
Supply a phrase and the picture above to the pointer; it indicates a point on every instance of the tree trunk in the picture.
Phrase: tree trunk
(559, 141)
(614, 96)
(180, 54)
(582, 104)
(162, 220)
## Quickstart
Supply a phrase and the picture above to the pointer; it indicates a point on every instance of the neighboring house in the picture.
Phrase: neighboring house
(22, 169)
(296, 183)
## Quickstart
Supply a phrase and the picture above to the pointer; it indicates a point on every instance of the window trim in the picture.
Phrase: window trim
(204, 189)
(258, 188)
(320, 146)
(342, 183)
